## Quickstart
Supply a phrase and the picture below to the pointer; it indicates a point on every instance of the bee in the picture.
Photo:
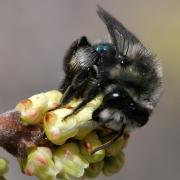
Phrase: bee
(123, 70)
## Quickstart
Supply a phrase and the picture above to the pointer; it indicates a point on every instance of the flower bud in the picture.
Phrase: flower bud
(39, 163)
(29, 115)
(113, 164)
(56, 128)
(88, 144)
(84, 117)
(3, 167)
(85, 129)
(54, 98)
(94, 169)
(33, 109)
(69, 161)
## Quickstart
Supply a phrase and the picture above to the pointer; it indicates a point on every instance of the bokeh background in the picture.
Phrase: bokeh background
(34, 35)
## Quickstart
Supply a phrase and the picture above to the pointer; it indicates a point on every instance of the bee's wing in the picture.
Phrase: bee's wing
(123, 40)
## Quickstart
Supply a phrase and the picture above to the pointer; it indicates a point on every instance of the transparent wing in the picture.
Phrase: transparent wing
(123, 40)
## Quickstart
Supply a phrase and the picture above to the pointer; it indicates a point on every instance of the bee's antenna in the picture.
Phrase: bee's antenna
(107, 144)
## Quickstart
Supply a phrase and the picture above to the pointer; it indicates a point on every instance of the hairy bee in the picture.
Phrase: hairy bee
(123, 70)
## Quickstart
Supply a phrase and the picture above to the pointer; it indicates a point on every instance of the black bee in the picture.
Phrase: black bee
(123, 70)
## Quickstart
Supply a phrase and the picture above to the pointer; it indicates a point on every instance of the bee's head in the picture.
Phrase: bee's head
(122, 106)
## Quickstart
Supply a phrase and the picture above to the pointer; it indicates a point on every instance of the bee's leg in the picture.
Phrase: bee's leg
(107, 144)
(68, 95)
(89, 94)
(103, 116)
(77, 82)
(88, 77)
(64, 84)
(91, 91)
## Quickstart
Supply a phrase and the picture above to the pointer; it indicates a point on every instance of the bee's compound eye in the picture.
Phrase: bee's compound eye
(105, 49)
(111, 98)
(115, 99)
(102, 48)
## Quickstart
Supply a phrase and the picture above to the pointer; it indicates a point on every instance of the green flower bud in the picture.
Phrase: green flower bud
(39, 102)
(69, 161)
(85, 129)
(113, 164)
(114, 148)
(54, 98)
(88, 144)
(3, 166)
(79, 125)
(58, 130)
(84, 117)
(33, 109)
(39, 163)
(94, 169)
(29, 115)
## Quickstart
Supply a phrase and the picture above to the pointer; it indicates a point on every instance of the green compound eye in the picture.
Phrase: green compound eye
(105, 48)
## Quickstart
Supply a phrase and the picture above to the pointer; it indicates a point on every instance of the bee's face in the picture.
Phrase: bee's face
(120, 107)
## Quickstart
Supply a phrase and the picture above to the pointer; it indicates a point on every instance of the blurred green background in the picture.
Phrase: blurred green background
(34, 35)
